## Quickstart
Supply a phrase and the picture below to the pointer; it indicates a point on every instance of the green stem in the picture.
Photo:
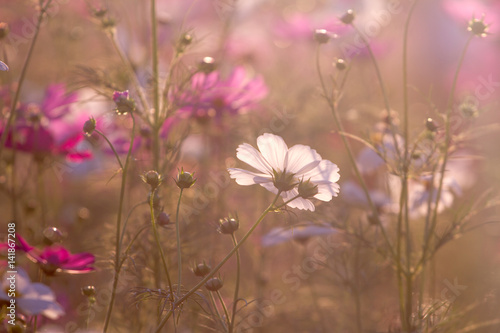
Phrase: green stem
(179, 252)
(224, 307)
(216, 268)
(158, 244)
(237, 287)
(217, 312)
(118, 228)
(22, 77)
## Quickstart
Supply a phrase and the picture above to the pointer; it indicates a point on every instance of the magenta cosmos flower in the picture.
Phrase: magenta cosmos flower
(48, 128)
(296, 173)
(211, 96)
(57, 259)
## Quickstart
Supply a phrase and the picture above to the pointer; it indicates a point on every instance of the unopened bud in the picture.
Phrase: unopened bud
(52, 235)
(214, 284)
(152, 178)
(185, 179)
(88, 291)
(348, 17)
(163, 219)
(4, 30)
(124, 104)
(307, 189)
(478, 27)
(202, 270)
(321, 36)
(89, 126)
(430, 125)
(228, 226)
(340, 64)
(207, 65)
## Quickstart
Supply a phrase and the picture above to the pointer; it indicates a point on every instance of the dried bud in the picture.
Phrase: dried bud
(163, 219)
(88, 291)
(207, 65)
(89, 126)
(124, 104)
(340, 64)
(214, 284)
(228, 226)
(321, 36)
(185, 179)
(307, 189)
(52, 235)
(4, 30)
(478, 27)
(430, 125)
(348, 17)
(202, 270)
(152, 178)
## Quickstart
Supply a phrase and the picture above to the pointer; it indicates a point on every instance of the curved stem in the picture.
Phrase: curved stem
(22, 77)
(118, 228)
(224, 307)
(216, 268)
(178, 235)
(237, 287)
(332, 104)
(111, 146)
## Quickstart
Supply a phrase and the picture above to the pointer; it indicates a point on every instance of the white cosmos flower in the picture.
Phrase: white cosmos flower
(286, 170)
(32, 298)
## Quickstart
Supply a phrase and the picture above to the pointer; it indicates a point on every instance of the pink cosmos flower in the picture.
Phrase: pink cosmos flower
(211, 96)
(57, 259)
(48, 128)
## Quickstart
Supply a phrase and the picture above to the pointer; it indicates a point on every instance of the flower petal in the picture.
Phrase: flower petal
(245, 177)
(253, 157)
(273, 149)
(299, 203)
(327, 191)
(325, 171)
(301, 159)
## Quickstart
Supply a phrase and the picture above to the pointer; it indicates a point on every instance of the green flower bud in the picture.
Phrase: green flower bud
(185, 179)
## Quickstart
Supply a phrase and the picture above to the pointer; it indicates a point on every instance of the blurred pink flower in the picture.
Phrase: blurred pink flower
(57, 259)
(48, 129)
(284, 170)
(210, 96)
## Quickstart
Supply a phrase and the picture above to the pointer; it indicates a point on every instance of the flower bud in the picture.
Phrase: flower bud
(152, 178)
(214, 284)
(207, 65)
(163, 219)
(88, 291)
(4, 30)
(186, 39)
(124, 104)
(202, 270)
(348, 17)
(89, 126)
(430, 125)
(478, 27)
(99, 12)
(321, 36)
(52, 235)
(228, 226)
(185, 179)
(340, 64)
(307, 189)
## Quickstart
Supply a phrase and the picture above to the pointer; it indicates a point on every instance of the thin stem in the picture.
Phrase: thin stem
(156, 89)
(111, 146)
(237, 287)
(216, 268)
(158, 244)
(178, 235)
(228, 319)
(217, 312)
(332, 104)
(22, 77)
(130, 70)
(118, 227)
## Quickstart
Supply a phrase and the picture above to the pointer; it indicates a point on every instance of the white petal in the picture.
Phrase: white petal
(253, 157)
(301, 159)
(33, 306)
(273, 149)
(325, 171)
(245, 177)
(327, 191)
(299, 203)
(270, 187)
(368, 160)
